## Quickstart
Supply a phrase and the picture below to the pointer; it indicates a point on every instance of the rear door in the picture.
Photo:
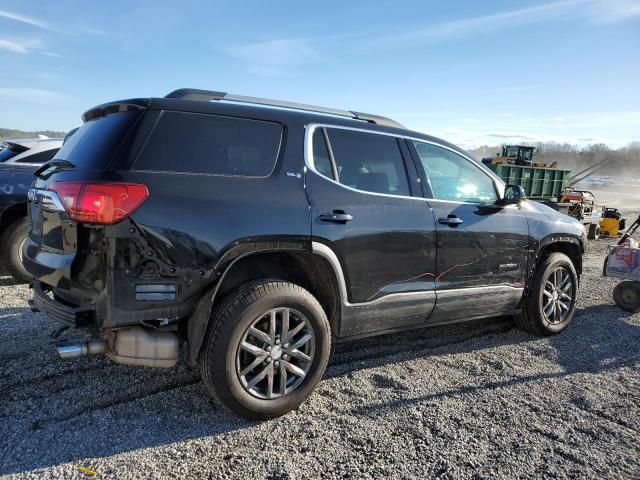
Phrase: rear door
(482, 246)
(368, 214)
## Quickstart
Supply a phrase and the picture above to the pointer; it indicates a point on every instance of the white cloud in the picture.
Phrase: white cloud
(26, 46)
(12, 46)
(593, 11)
(275, 53)
(506, 114)
(616, 129)
(614, 11)
(487, 23)
(24, 19)
(30, 94)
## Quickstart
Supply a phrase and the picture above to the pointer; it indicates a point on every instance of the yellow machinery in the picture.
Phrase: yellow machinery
(612, 222)
(517, 155)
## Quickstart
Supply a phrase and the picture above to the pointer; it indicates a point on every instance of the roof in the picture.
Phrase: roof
(222, 103)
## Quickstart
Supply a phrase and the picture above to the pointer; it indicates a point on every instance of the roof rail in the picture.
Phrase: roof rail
(207, 96)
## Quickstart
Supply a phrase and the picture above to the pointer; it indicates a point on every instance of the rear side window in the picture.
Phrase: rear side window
(211, 144)
(93, 145)
(368, 161)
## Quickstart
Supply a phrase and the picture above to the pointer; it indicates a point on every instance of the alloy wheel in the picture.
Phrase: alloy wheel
(558, 296)
(275, 353)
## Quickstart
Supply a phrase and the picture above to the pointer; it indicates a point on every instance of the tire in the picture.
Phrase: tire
(11, 243)
(594, 231)
(539, 315)
(627, 296)
(244, 317)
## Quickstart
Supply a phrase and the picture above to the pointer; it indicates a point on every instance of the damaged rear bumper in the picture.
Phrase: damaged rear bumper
(68, 315)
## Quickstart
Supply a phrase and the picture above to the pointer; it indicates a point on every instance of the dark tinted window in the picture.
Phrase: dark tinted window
(368, 161)
(40, 157)
(8, 151)
(198, 143)
(93, 145)
(321, 154)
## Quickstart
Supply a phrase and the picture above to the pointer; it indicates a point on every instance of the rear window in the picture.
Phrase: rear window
(93, 145)
(9, 150)
(211, 144)
(40, 157)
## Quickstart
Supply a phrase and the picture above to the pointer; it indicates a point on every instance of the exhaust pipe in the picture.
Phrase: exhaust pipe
(129, 346)
(80, 349)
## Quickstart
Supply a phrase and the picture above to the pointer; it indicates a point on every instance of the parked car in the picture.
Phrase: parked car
(18, 160)
(262, 232)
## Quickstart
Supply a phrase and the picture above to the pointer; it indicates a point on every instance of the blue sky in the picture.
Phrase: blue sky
(473, 72)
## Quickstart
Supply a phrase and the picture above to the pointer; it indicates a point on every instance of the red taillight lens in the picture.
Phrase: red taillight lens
(105, 203)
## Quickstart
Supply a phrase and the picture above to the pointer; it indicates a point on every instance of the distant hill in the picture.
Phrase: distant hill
(8, 133)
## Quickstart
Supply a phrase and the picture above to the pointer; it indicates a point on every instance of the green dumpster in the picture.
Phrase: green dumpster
(538, 183)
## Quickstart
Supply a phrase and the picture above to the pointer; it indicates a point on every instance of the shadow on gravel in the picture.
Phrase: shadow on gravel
(589, 346)
(52, 412)
(6, 281)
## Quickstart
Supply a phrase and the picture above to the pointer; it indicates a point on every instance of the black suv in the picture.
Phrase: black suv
(260, 232)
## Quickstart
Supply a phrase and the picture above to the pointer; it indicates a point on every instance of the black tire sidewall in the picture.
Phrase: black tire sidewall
(619, 301)
(535, 300)
(227, 385)
(11, 241)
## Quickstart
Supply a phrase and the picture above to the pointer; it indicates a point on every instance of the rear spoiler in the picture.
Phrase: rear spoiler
(114, 107)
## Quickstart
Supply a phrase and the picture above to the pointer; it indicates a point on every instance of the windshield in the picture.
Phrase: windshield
(512, 152)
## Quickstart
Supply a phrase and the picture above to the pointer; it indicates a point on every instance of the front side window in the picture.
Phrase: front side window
(368, 161)
(453, 177)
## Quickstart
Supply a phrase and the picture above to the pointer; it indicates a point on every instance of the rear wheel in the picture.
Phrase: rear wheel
(594, 231)
(551, 301)
(11, 243)
(267, 348)
(627, 296)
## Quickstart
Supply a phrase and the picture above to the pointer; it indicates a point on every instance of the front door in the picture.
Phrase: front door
(371, 221)
(482, 246)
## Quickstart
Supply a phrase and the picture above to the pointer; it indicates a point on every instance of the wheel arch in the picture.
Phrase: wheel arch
(572, 247)
(300, 266)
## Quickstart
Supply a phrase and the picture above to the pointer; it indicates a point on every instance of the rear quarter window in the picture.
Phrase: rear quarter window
(211, 144)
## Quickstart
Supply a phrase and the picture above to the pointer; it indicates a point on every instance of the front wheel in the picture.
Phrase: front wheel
(551, 302)
(266, 349)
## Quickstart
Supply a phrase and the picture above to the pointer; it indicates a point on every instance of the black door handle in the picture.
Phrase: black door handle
(451, 220)
(336, 216)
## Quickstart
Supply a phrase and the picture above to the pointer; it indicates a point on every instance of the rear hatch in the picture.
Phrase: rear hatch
(58, 235)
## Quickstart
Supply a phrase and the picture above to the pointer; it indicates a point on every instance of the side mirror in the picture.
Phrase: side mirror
(513, 194)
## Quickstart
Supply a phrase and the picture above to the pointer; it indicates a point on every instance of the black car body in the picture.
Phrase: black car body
(374, 221)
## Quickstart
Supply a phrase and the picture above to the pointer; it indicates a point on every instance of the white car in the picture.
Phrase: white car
(30, 151)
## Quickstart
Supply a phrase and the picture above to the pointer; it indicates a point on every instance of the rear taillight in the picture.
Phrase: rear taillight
(104, 203)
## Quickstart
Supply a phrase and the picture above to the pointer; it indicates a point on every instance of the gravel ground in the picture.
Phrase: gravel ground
(472, 400)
